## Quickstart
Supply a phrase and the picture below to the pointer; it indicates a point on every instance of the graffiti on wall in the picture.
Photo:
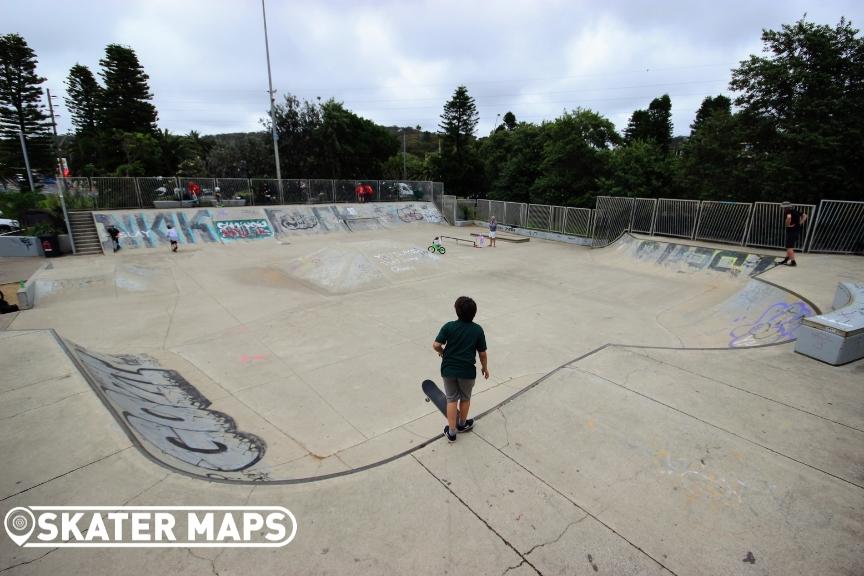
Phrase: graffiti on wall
(170, 417)
(150, 229)
(243, 229)
(779, 322)
(701, 258)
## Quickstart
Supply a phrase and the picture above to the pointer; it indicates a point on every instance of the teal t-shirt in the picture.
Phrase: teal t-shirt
(461, 340)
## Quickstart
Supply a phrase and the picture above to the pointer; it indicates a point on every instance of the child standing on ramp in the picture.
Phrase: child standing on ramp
(456, 343)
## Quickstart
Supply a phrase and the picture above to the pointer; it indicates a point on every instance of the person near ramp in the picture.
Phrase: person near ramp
(456, 344)
(793, 221)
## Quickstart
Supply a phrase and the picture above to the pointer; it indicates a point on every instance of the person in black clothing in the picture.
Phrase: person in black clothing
(6, 307)
(793, 221)
(115, 236)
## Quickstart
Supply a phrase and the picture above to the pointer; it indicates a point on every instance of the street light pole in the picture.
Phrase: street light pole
(59, 165)
(272, 94)
(404, 171)
(26, 160)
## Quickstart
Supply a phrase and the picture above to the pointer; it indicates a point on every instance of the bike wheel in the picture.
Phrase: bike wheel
(441, 250)
(431, 249)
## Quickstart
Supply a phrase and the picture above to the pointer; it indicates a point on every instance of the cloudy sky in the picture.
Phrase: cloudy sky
(397, 62)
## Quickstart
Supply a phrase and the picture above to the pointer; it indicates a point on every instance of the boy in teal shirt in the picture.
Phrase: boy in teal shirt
(456, 343)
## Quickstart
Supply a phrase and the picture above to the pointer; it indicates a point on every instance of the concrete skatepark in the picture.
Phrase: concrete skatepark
(646, 413)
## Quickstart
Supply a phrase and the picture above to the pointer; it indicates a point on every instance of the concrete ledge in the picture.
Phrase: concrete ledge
(19, 246)
(837, 337)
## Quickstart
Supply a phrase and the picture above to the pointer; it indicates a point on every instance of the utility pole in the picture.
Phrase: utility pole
(404, 171)
(59, 166)
(272, 94)
(26, 160)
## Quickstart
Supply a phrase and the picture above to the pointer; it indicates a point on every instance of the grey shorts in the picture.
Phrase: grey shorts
(458, 388)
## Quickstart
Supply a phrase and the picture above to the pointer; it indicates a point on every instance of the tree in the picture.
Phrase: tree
(576, 149)
(126, 98)
(83, 97)
(654, 124)
(21, 108)
(459, 120)
(640, 169)
(511, 159)
(802, 111)
(510, 121)
(711, 106)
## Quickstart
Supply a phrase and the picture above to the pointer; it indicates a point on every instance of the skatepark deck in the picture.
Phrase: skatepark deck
(645, 414)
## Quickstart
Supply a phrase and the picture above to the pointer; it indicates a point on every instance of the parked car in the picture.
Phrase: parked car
(8, 225)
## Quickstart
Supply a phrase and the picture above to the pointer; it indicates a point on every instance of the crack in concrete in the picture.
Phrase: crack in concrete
(212, 562)
(555, 541)
(480, 518)
(64, 474)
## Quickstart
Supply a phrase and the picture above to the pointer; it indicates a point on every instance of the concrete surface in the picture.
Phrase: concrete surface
(651, 456)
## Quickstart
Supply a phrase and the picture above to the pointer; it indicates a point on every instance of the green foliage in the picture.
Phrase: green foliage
(652, 125)
(21, 108)
(802, 111)
(576, 151)
(459, 119)
(83, 96)
(15, 204)
(640, 169)
(126, 97)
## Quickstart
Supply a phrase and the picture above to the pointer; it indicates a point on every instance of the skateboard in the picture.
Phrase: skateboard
(434, 395)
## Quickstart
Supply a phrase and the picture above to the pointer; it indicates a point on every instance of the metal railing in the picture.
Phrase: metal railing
(767, 226)
(839, 227)
(676, 218)
(611, 219)
(723, 221)
(115, 192)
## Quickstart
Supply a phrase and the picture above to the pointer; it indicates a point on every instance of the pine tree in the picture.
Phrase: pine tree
(21, 108)
(84, 97)
(459, 120)
(126, 97)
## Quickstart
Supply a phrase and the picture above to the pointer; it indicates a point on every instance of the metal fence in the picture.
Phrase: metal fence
(114, 192)
(642, 216)
(676, 217)
(611, 219)
(839, 227)
(767, 226)
(723, 221)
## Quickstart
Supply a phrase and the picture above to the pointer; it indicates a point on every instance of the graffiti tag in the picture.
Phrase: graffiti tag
(778, 323)
(244, 229)
(169, 415)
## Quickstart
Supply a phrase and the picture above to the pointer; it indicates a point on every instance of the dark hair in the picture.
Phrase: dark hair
(466, 308)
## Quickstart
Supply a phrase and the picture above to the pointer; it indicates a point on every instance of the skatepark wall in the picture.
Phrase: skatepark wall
(689, 258)
(148, 228)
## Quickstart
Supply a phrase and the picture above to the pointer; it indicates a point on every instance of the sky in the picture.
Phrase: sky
(398, 62)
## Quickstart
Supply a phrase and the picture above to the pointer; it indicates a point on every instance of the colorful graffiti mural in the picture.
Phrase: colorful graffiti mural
(149, 229)
(243, 229)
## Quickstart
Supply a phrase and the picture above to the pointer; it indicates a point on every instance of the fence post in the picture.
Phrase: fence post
(811, 234)
(138, 192)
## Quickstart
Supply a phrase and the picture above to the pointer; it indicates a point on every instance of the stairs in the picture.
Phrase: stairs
(84, 233)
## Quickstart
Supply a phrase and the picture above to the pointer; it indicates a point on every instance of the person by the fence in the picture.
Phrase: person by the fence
(456, 343)
(173, 238)
(114, 233)
(368, 192)
(793, 221)
(360, 192)
(493, 231)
